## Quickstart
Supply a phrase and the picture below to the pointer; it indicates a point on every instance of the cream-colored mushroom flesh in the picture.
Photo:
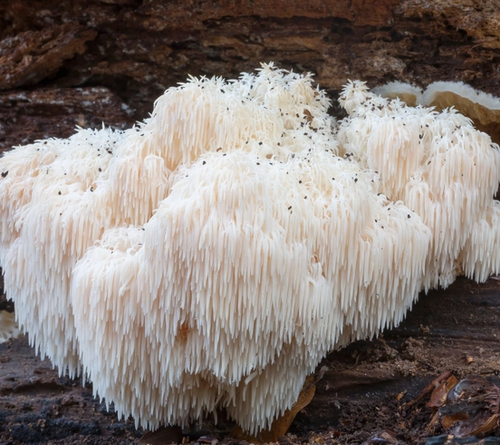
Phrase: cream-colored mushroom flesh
(441, 167)
(482, 108)
(212, 255)
(409, 94)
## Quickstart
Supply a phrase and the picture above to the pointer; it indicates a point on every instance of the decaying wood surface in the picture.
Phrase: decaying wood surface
(133, 50)
(83, 62)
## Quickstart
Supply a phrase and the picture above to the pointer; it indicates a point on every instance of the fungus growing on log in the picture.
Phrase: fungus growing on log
(441, 167)
(482, 108)
(52, 208)
(214, 254)
(479, 106)
(409, 94)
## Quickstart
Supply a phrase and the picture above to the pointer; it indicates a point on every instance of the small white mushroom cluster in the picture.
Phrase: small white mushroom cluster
(213, 255)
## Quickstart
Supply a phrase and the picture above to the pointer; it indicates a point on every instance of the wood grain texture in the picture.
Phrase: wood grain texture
(138, 49)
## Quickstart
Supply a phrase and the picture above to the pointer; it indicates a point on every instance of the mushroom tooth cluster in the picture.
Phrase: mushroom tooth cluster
(138, 178)
(481, 256)
(215, 253)
(51, 209)
(437, 164)
(59, 195)
(261, 109)
(250, 267)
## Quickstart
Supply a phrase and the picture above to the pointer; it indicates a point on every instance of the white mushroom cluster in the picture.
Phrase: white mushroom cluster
(214, 254)
(441, 167)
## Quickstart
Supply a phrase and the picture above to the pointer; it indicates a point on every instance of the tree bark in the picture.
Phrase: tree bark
(132, 51)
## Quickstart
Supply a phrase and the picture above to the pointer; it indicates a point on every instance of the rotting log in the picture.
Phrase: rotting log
(137, 49)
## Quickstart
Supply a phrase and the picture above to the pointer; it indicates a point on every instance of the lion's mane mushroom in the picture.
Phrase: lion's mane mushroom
(268, 252)
(249, 269)
(211, 256)
(441, 167)
(51, 209)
